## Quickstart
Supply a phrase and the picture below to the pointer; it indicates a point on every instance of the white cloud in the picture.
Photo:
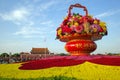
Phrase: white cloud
(28, 18)
(46, 22)
(28, 31)
(108, 13)
(45, 6)
(49, 24)
(16, 15)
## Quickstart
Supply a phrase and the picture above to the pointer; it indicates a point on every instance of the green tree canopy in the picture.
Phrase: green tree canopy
(4, 55)
(16, 55)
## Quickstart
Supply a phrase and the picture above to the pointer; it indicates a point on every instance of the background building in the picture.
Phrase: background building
(36, 54)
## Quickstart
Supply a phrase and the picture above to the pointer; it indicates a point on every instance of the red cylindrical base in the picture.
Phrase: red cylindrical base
(80, 47)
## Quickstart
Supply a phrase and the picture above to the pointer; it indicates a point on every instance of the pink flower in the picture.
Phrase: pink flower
(72, 28)
(79, 29)
(95, 28)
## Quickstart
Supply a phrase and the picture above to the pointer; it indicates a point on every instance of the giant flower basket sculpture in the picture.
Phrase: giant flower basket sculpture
(80, 32)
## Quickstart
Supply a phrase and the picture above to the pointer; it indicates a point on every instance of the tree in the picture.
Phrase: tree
(16, 55)
(63, 54)
(4, 55)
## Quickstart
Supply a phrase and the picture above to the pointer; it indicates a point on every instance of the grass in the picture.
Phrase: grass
(43, 78)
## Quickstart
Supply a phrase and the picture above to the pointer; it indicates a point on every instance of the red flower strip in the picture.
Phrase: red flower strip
(61, 61)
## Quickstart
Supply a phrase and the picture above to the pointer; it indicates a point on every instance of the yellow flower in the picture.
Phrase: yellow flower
(95, 22)
(76, 24)
(70, 23)
(103, 26)
(85, 71)
(94, 29)
(59, 32)
(86, 27)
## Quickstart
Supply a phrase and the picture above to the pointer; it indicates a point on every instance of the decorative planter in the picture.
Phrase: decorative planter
(79, 32)
(80, 44)
(80, 47)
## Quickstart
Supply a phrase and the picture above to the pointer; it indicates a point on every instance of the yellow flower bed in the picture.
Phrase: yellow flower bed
(85, 71)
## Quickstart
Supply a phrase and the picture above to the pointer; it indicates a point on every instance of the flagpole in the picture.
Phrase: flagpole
(45, 47)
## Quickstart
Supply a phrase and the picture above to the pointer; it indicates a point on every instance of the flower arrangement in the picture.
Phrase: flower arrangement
(76, 24)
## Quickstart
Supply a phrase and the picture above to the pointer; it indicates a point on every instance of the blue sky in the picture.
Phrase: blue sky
(32, 23)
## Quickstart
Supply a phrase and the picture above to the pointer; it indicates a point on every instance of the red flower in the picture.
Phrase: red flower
(65, 22)
(66, 29)
(61, 61)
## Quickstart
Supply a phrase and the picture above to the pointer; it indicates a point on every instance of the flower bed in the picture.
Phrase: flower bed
(79, 71)
(70, 61)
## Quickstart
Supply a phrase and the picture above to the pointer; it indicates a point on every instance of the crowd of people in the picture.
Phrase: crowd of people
(9, 59)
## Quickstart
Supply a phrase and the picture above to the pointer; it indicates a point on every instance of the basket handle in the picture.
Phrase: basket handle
(79, 6)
